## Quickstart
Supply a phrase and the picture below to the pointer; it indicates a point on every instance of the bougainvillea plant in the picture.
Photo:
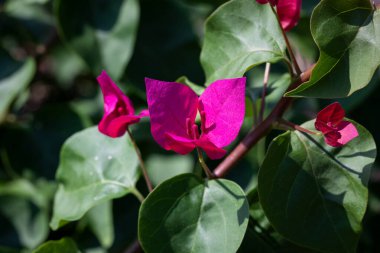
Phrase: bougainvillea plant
(270, 173)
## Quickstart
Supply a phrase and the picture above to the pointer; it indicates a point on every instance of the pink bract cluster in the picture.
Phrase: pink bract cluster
(173, 108)
(336, 131)
(288, 11)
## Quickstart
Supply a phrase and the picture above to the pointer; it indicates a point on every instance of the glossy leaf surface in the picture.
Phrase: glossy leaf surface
(316, 195)
(240, 35)
(348, 36)
(187, 214)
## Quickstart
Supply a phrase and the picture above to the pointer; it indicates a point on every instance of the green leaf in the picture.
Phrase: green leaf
(65, 245)
(316, 195)
(103, 33)
(187, 214)
(347, 34)
(14, 78)
(163, 167)
(196, 88)
(93, 168)
(101, 223)
(240, 35)
(27, 207)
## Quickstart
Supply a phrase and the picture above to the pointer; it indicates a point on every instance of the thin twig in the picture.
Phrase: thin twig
(206, 169)
(263, 94)
(142, 164)
(261, 130)
(290, 50)
(293, 126)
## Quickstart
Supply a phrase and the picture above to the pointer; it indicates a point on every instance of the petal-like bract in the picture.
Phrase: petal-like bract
(337, 131)
(118, 109)
(171, 105)
(173, 108)
(289, 13)
(224, 105)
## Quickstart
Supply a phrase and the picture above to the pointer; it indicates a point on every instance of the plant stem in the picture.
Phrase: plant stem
(208, 172)
(261, 130)
(142, 164)
(290, 50)
(263, 94)
(138, 194)
(295, 126)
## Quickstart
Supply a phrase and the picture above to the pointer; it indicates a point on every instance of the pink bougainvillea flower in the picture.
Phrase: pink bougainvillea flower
(173, 108)
(118, 109)
(288, 11)
(337, 131)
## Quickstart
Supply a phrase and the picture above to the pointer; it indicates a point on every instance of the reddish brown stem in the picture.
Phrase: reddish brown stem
(261, 130)
(295, 126)
(142, 164)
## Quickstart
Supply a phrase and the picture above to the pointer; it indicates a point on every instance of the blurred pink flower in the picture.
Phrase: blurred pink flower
(288, 11)
(337, 131)
(173, 108)
(118, 109)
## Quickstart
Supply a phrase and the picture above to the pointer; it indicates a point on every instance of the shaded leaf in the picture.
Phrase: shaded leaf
(65, 245)
(316, 195)
(102, 32)
(163, 167)
(14, 78)
(101, 223)
(347, 34)
(26, 206)
(187, 214)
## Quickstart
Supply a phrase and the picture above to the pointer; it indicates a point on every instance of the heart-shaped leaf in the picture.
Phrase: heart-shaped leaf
(102, 32)
(240, 35)
(93, 168)
(348, 36)
(316, 195)
(187, 214)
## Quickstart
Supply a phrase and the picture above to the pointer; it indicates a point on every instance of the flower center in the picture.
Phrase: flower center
(192, 129)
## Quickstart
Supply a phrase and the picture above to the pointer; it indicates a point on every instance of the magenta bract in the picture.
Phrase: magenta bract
(288, 11)
(173, 108)
(337, 131)
(118, 109)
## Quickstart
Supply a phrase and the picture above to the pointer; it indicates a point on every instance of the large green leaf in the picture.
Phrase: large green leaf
(316, 195)
(348, 36)
(187, 214)
(240, 35)
(93, 168)
(102, 32)
(65, 245)
(14, 78)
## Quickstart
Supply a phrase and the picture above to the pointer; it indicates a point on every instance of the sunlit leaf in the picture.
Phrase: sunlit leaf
(188, 214)
(93, 168)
